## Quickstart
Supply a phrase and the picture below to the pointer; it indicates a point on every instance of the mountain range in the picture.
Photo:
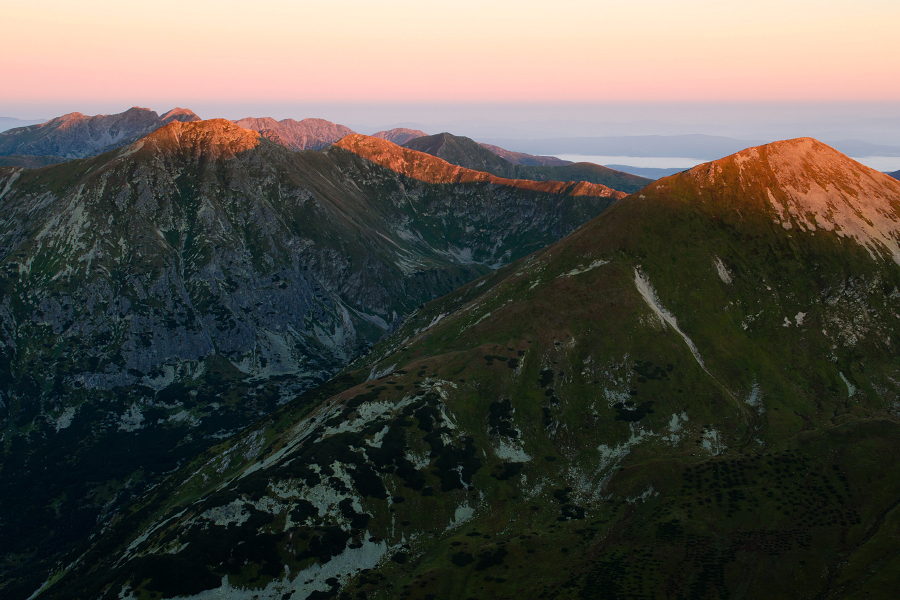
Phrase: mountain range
(692, 396)
(158, 297)
(78, 136)
(895, 174)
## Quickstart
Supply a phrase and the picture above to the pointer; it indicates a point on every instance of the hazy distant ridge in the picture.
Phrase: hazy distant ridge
(78, 136)
(308, 134)
(705, 147)
(399, 135)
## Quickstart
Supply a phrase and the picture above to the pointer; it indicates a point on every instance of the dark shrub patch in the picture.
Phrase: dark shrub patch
(489, 559)
(367, 482)
(500, 414)
(633, 414)
(173, 576)
(322, 547)
(509, 470)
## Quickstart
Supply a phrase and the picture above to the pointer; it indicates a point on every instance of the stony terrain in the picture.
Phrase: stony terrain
(158, 298)
(693, 396)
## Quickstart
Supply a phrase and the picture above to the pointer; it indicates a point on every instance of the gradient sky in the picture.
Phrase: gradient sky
(467, 51)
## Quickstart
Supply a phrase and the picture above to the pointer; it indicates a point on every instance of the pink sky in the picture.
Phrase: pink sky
(464, 51)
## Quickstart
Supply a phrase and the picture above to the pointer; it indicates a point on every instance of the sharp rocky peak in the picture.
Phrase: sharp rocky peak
(217, 137)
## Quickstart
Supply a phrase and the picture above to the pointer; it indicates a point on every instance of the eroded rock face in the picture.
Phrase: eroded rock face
(180, 287)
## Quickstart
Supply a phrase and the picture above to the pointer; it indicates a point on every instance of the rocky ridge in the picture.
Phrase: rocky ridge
(467, 153)
(423, 167)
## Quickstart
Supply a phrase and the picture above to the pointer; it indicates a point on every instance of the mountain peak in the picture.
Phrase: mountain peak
(308, 134)
(400, 135)
(218, 137)
(808, 186)
(179, 114)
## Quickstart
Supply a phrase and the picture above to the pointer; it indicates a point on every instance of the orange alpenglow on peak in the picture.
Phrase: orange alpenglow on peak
(430, 169)
(804, 185)
(217, 137)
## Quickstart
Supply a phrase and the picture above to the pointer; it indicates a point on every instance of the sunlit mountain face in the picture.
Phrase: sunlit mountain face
(693, 395)
(160, 297)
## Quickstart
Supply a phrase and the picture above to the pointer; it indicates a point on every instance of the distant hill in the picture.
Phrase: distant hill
(400, 135)
(308, 134)
(650, 172)
(463, 151)
(10, 122)
(470, 154)
(520, 158)
(691, 146)
(895, 174)
(78, 136)
(861, 148)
